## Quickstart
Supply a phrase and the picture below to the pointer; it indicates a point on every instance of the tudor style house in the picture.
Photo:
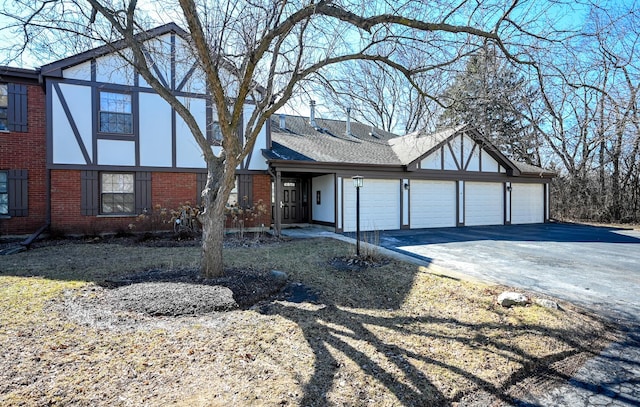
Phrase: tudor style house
(87, 146)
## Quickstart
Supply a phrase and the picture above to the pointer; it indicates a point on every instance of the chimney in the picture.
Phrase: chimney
(348, 129)
(283, 121)
(312, 113)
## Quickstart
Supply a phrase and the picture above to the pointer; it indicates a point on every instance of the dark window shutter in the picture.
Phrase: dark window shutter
(90, 193)
(143, 192)
(17, 107)
(18, 183)
(245, 191)
(201, 182)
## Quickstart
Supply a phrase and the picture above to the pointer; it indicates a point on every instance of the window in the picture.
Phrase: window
(4, 107)
(115, 113)
(4, 193)
(214, 136)
(117, 193)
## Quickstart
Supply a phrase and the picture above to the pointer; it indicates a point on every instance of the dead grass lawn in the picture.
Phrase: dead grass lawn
(392, 335)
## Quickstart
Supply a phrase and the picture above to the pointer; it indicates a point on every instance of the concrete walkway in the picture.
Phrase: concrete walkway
(612, 379)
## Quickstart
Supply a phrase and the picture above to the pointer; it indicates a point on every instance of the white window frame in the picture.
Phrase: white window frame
(117, 191)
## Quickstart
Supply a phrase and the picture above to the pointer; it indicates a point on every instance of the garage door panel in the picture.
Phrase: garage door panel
(484, 203)
(433, 204)
(379, 205)
(527, 203)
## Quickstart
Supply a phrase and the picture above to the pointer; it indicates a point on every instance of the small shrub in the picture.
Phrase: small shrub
(152, 220)
(240, 217)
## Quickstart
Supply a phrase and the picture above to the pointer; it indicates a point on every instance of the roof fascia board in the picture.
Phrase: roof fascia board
(315, 166)
(18, 73)
(55, 68)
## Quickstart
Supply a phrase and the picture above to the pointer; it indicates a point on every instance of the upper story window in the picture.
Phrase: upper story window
(4, 107)
(216, 133)
(115, 113)
(13, 107)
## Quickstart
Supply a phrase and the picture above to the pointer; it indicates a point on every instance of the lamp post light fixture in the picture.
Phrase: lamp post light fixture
(358, 182)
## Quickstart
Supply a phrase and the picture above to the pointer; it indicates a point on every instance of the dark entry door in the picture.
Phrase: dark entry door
(290, 201)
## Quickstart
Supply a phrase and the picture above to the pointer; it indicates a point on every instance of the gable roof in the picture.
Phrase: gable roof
(56, 68)
(329, 143)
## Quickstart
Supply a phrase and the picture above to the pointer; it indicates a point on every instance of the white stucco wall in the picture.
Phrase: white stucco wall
(325, 212)
(155, 131)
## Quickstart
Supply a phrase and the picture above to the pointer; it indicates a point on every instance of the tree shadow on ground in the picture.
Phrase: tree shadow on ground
(368, 344)
(352, 343)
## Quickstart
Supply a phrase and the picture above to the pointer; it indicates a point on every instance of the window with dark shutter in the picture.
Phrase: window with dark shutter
(143, 192)
(201, 182)
(17, 107)
(18, 193)
(245, 190)
(90, 193)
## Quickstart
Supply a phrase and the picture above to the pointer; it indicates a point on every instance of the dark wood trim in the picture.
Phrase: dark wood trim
(95, 107)
(94, 70)
(174, 139)
(507, 208)
(461, 205)
(461, 165)
(55, 68)
(135, 110)
(546, 197)
(453, 154)
(276, 205)
(154, 67)
(187, 76)
(72, 123)
(473, 149)
(173, 61)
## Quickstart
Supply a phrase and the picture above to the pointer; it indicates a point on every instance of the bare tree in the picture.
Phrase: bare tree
(265, 51)
(589, 116)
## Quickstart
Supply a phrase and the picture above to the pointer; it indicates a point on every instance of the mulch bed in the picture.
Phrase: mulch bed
(186, 292)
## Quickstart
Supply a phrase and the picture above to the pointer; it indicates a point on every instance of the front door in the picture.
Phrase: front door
(290, 205)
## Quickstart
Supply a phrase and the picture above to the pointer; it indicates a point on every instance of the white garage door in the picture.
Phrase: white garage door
(379, 205)
(433, 204)
(484, 203)
(527, 203)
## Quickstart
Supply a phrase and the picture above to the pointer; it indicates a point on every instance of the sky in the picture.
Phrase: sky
(571, 14)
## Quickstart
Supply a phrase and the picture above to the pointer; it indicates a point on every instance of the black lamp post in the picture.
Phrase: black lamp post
(358, 182)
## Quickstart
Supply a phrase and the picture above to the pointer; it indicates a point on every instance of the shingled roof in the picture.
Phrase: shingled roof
(328, 142)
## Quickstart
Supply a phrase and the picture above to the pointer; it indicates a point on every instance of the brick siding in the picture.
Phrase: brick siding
(28, 151)
(168, 191)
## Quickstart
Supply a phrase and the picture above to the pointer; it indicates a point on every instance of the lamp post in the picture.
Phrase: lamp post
(358, 182)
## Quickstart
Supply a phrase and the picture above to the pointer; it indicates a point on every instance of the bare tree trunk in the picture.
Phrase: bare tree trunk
(220, 181)
(211, 264)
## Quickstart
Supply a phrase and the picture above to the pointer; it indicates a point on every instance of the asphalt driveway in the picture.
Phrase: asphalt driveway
(597, 267)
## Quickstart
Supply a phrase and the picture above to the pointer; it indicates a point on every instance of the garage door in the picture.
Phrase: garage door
(433, 204)
(527, 203)
(379, 205)
(484, 203)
